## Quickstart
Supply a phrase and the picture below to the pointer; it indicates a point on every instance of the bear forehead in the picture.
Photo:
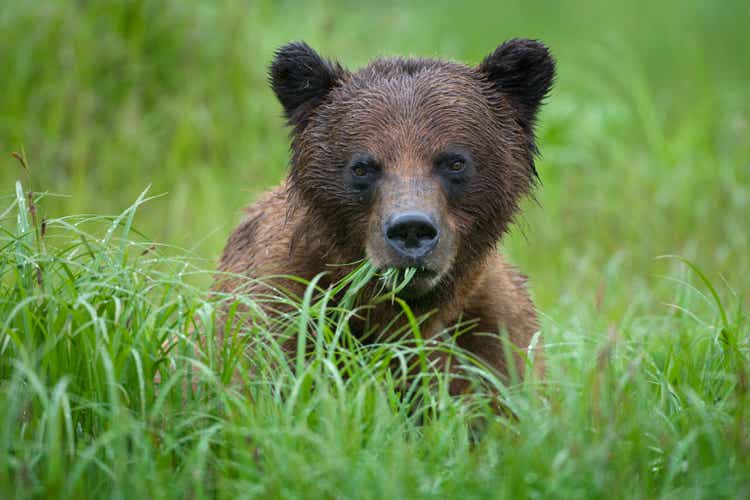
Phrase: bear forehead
(408, 84)
(420, 105)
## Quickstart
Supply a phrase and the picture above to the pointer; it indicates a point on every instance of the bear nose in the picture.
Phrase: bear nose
(411, 234)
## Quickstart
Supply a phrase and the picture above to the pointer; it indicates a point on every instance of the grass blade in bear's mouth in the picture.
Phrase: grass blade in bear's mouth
(396, 279)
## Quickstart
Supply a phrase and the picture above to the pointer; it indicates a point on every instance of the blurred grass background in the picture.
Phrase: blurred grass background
(646, 143)
(646, 137)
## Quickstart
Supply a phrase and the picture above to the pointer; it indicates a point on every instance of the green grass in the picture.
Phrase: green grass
(646, 154)
(92, 314)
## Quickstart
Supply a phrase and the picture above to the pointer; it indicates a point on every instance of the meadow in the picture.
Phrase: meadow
(140, 130)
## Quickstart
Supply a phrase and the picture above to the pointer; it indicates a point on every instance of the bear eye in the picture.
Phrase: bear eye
(451, 162)
(363, 170)
(456, 165)
(359, 170)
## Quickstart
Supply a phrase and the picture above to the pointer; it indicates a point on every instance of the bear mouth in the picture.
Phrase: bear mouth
(401, 272)
(421, 281)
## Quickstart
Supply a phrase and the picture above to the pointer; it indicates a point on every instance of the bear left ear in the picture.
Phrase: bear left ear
(301, 79)
(523, 70)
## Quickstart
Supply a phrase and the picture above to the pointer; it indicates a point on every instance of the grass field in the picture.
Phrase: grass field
(646, 154)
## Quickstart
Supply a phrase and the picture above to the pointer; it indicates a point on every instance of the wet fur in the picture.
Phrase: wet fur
(403, 111)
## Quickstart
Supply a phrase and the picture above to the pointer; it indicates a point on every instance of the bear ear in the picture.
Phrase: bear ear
(523, 70)
(301, 79)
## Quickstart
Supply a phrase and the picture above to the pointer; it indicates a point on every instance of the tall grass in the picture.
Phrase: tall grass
(92, 315)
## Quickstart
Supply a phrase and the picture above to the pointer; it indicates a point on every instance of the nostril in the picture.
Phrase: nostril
(416, 233)
(412, 235)
(425, 231)
(397, 232)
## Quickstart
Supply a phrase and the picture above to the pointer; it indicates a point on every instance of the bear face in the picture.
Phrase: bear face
(413, 162)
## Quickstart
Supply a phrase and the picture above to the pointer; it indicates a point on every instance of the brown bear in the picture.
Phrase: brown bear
(411, 163)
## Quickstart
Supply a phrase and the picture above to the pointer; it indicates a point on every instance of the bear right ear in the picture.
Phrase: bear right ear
(301, 79)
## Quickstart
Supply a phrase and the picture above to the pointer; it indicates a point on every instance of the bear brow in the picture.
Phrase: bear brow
(452, 152)
(365, 158)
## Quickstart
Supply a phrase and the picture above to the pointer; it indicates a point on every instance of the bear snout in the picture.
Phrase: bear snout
(413, 235)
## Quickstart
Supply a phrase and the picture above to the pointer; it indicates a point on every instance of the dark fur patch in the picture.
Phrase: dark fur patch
(524, 71)
(301, 79)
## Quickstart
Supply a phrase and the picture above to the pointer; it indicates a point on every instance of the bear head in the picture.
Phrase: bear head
(413, 162)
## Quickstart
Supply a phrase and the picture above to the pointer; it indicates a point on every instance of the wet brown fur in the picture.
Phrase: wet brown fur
(404, 112)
